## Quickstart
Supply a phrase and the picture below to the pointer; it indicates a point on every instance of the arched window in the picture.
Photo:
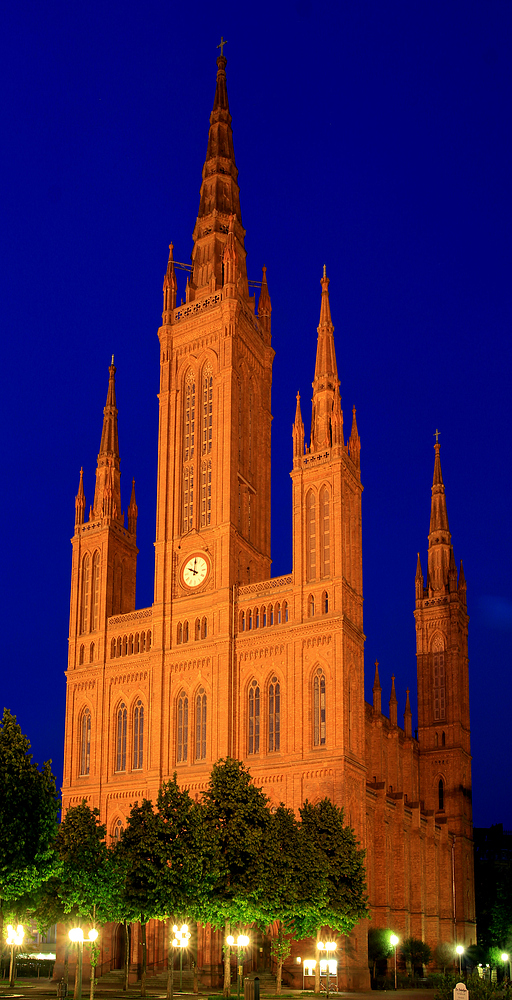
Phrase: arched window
(85, 742)
(204, 628)
(242, 621)
(253, 743)
(112, 649)
(311, 606)
(197, 629)
(439, 692)
(179, 633)
(319, 708)
(84, 612)
(278, 614)
(122, 719)
(310, 536)
(325, 533)
(81, 654)
(125, 645)
(206, 493)
(249, 619)
(117, 831)
(148, 640)
(263, 617)
(274, 715)
(138, 735)
(136, 643)
(207, 414)
(285, 611)
(130, 645)
(182, 734)
(188, 450)
(201, 725)
(436, 740)
(443, 739)
(95, 590)
(271, 615)
(91, 653)
(256, 618)
(440, 790)
(185, 631)
(325, 602)
(143, 642)
(119, 645)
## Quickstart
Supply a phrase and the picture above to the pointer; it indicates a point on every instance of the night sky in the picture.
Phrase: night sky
(373, 137)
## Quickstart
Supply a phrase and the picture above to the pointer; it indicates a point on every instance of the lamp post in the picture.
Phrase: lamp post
(241, 942)
(76, 935)
(505, 960)
(14, 939)
(460, 951)
(329, 947)
(394, 941)
(180, 940)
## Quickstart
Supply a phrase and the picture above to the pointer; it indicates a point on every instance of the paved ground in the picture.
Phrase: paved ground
(25, 988)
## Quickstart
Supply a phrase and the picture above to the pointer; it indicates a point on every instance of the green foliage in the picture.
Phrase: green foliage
(339, 900)
(85, 876)
(416, 952)
(28, 815)
(138, 861)
(379, 945)
(238, 815)
(479, 989)
(444, 955)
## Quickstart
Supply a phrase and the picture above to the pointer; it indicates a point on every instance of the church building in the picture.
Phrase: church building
(229, 660)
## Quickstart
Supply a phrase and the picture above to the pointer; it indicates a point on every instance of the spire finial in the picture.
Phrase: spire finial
(112, 362)
(436, 435)
(223, 42)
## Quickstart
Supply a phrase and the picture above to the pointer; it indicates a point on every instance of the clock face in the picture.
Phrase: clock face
(195, 571)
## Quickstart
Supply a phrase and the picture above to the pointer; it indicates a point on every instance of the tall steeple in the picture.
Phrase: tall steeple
(107, 495)
(327, 418)
(440, 552)
(298, 434)
(219, 200)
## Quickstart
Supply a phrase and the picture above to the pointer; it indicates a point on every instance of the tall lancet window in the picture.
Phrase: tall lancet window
(207, 411)
(310, 536)
(319, 708)
(274, 715)
(201, 725)
(182, 734)
(85, 743)
(189, 430)
(95, 590)
(122, 722)
(253, 742)
(84, 608)
(138, 735)
(438, 681)
(325, 534)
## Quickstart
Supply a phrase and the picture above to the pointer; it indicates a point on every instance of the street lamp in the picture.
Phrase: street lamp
(76, 935)
(14, 939)
(180, 940)
(394, 941)
(460, 951)
(241, 942)
(505, 959)
(329, 947)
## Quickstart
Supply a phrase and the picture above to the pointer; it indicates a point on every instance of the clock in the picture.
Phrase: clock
(195, 571)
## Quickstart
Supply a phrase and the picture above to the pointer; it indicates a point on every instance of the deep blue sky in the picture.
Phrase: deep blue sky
(374, 137)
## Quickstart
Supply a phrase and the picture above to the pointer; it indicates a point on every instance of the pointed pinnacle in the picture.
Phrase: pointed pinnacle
(419, 573)
(392, 696)
(407, 704)
(376, 682)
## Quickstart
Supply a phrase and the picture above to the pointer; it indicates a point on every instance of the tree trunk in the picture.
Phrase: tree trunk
(143, 975)
(279, 975)
(317, 963)
(227, 961)
(170, 960)
(126, 954)
(66, 966)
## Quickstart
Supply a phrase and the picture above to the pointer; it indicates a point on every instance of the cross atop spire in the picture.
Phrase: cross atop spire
(223, 42)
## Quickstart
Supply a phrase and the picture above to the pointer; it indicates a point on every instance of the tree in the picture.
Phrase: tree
(238, 814)
(340, 898)
(416, 953)
(444, 955)
(379, 946)
(28, 818)
(138, 861)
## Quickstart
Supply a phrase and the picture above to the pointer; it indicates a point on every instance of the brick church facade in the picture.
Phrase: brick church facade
(230, 661)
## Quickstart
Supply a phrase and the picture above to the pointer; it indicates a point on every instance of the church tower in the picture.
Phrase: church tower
(443, 699)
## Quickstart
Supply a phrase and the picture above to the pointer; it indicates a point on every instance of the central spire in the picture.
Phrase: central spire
(219, 202)
(327, 418)
(440, 551)
(107, 495)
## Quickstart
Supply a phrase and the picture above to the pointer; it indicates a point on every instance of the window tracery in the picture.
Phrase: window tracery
(254, 718)
(122, 722)
(274, 715)
(85, 742)
(182, 733)
(138, 735)
(319, 707)
(201, 725)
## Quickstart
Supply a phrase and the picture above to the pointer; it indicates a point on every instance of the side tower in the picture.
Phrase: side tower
(443, 703)
(103, 575)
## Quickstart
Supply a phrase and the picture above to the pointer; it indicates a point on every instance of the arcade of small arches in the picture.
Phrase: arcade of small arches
(127, 645)
(183, 631)
(252, 618)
